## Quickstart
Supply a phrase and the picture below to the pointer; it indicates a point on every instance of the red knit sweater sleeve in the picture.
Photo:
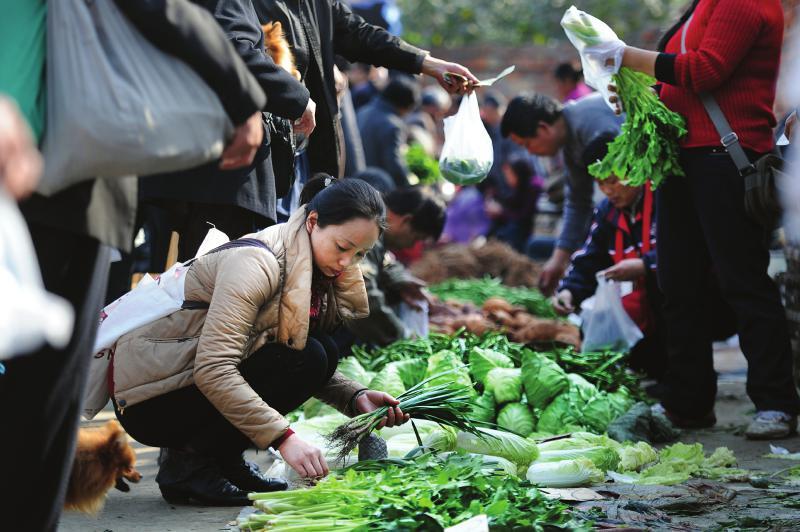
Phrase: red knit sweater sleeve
(732, 29)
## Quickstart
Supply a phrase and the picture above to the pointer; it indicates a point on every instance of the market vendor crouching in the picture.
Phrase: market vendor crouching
(622, 245)
(251, 345)
(413, 215)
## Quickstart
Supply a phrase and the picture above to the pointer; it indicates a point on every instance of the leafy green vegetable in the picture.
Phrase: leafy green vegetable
(581, 440)
(603, 458)
(681, 461)
(388, 380)
(519, 450)
(425, 167)
(482, 360)
(411, 370)
(559, 416)
(446, 404)
(516, 418)
(634, 457)
(607, 370)
(479, 290)
(351, 368)
(602, 409)
(542, 378)
(428, 493)
(647, 148)
(505, 384)
(483, 409)
(565, 473)
(445, 367)
(464, 171)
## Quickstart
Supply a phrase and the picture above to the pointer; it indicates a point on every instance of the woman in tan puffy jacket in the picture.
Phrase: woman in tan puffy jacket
(250, 345)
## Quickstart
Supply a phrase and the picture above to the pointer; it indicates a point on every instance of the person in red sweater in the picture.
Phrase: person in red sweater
(732, 50)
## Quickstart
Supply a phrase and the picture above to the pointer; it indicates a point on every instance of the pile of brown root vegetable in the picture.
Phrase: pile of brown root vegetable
(497, 314)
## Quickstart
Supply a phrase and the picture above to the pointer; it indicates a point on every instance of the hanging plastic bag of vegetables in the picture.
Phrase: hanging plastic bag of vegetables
(467, 154)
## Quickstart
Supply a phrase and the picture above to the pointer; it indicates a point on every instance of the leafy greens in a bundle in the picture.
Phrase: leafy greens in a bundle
(647, 148)
(479, 290)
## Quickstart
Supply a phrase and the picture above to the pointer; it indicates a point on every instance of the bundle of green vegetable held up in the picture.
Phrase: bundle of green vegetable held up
(647, 148)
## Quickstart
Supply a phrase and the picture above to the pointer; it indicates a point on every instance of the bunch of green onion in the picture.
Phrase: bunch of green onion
(445, 404)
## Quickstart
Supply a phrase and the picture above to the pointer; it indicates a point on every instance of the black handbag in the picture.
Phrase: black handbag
(282, 149)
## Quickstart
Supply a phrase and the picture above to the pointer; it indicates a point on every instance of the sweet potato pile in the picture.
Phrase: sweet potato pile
(497, 314)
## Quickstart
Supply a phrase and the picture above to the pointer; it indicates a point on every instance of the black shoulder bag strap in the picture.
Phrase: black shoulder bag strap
(728, 138)
(239, 243)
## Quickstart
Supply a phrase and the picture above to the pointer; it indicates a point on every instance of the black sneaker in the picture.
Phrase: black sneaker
(247, 476)
(190, 478)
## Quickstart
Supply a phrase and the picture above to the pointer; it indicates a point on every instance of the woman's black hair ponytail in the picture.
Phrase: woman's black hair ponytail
(338, 201)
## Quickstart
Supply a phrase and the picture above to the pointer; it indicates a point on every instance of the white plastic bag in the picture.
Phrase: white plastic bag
(599, 47)
(29, 316)
(117, 105)
(152, 299)
(467, 154)
(607, 325)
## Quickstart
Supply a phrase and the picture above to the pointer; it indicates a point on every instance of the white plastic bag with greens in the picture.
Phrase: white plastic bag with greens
(607, 326)
(467, 154)
(599, 47)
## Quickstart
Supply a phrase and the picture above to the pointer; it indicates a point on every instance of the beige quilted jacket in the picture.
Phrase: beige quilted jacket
(255, 297)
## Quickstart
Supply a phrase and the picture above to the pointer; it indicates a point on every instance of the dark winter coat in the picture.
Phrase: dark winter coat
(317, 31)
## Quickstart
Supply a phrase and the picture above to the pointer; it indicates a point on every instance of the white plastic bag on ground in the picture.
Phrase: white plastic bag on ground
(467, 154)
(599, 47)
(152, 299)
(607, 325)
(29, 315)
(117, 105)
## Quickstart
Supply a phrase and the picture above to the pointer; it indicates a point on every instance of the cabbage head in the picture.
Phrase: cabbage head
(483, 409)
(634, 457)
(388, 380)
(351, 368)
(542, 378)
(565, 474)
(411, 370)
(604, 408)
(517, 418)
(481, 361)
(505, 384)
(506, 445)
(560, 416)
(447, 360)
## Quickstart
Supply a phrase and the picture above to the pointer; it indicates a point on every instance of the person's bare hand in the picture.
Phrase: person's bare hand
(553, 271)
(372, 400)
(242, 149)
(462, 83)
(303, 457)
(412, 292)
(562, 303)
(626, 270)
(305, 124)
(20, 162)
(791, 123)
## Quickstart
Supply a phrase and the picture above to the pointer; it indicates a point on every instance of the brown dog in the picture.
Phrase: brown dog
(277, 47)
(103, 459)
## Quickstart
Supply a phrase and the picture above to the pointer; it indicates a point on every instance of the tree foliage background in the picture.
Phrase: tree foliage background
(432, 23)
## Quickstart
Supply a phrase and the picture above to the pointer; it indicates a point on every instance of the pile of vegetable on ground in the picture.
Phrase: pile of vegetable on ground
(480, 259)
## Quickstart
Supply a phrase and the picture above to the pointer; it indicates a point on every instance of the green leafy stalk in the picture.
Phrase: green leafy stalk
(442, 403)
(647, 148)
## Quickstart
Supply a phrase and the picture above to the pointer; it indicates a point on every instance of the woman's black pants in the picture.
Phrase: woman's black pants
(702, 226)
(284, 378)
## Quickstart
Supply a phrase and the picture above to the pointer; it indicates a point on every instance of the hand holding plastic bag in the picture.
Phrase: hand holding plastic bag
(607, 326)
(467, 154)
(599, 47)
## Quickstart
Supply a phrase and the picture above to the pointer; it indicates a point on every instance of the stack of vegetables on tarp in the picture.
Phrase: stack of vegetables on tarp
(523, 314)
